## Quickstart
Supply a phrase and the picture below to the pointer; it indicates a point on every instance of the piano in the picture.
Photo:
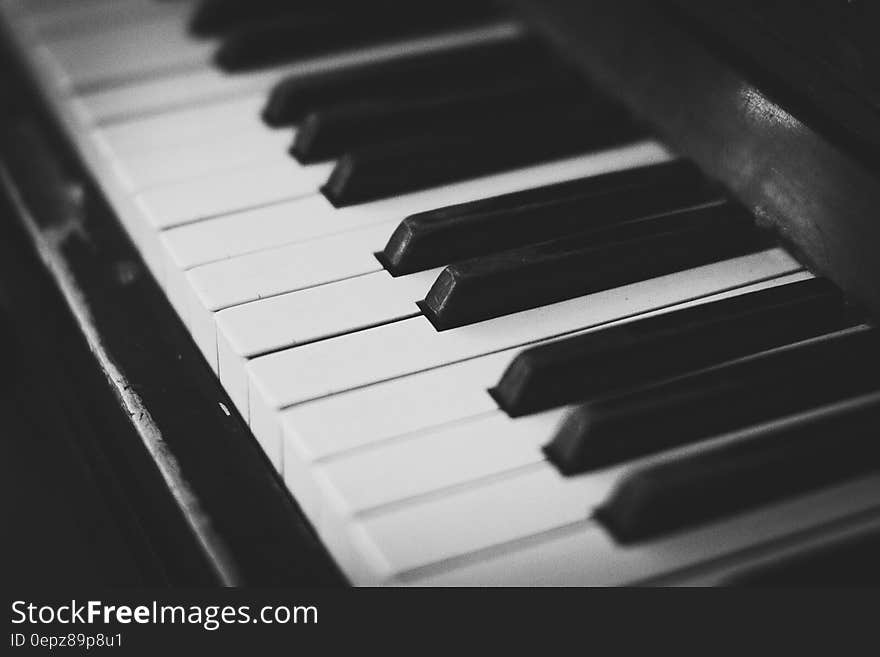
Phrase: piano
(464, 293)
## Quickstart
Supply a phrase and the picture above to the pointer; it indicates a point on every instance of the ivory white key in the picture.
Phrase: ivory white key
(583, 554)
(190, 246)
(204, 84)
(184, 90)
(230, 191)
(524, 503)
(382, 412)
(233, 152)
(315, 370)
(206, 290)
(312, 314)
(435, 460)
(184, 127)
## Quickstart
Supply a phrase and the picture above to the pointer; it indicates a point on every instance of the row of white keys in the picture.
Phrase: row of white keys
(325, 244)
(583, 554)
(352, 453)
(320, 369)
(527, 507)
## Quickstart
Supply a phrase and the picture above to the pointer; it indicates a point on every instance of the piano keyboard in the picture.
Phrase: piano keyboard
(596, 392)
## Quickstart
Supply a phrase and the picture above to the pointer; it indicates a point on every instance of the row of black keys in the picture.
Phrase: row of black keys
(517, 251)
(419, 120)
(768, 359)
(522, 250)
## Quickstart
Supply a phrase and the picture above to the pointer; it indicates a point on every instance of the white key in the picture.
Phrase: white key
(412, 345)
(270, 273)
(584, 555)
(183, 127)
(433, 461)
(391, 409)
(437, 463)
(525, 503)
(248, 232)
(169, 93)
(308, 315)
(204, 84)
(126, 53)
(201, 159)
(292, 267)
(382, 412)
(227, 192)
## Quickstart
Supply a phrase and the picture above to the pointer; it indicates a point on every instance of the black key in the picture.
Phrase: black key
(451, 234)
(637, 353)
(213, 17)
(850, 561)
(330, 132)
(781, 462)
(537, 275)
(616, 429)
(304, 36)
(396, 168)
(402, 79)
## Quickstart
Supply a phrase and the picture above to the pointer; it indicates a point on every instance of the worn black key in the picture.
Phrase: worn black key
(781, 462)
(437, 237)
(402, 79)
(541, 274)
(624, 427)
(330, 132)
(637, 353)
(217, 17)
(396, 168)
(306, 35)
(851, 562)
